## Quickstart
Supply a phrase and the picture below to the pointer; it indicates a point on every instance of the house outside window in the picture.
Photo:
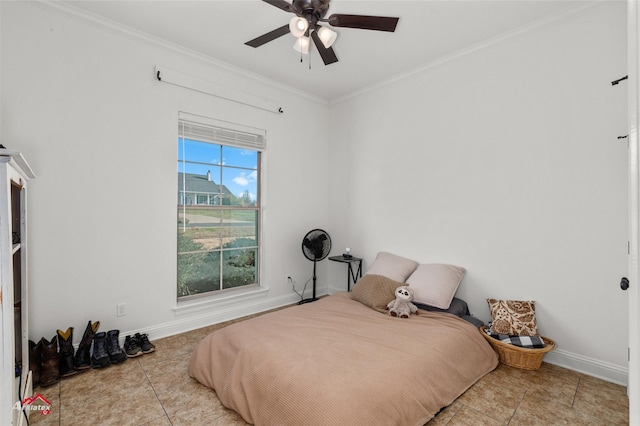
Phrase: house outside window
(218, 206)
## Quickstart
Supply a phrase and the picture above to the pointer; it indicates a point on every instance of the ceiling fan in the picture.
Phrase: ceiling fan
(306, 24)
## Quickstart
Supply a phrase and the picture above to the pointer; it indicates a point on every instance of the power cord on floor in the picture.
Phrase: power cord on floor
(293, 285)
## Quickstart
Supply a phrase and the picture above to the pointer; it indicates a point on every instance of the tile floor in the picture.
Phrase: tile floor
(155, 389)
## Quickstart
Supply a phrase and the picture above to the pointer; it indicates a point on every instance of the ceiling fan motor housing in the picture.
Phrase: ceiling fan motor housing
(312, 10)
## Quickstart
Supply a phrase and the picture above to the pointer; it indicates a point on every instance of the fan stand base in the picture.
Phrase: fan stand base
(312, 299)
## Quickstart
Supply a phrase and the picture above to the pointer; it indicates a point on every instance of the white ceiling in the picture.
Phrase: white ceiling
(428, 30)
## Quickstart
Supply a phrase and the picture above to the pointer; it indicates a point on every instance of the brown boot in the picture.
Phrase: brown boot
(66, 364)
(49, 374)
(83, 354)
(35, 361)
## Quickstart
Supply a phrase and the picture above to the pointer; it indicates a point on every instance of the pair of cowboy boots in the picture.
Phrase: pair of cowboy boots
(47, 364)
(44, 362)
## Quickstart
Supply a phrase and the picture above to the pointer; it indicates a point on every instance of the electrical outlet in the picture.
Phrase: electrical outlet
(120, 309)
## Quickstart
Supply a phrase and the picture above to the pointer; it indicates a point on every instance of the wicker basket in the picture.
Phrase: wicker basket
(515, 356)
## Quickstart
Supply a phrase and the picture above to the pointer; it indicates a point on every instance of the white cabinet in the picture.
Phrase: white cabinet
(15, 376)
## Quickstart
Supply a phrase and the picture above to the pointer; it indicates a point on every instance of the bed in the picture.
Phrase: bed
(342, 361)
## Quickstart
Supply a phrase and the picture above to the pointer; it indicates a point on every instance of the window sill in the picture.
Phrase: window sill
(219, 300)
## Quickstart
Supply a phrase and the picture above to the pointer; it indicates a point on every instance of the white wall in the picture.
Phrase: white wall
(81, 102)
(504, 160)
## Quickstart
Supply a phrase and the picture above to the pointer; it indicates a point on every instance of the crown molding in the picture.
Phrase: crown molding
(122, 29)
(118, 28)
(530, 27)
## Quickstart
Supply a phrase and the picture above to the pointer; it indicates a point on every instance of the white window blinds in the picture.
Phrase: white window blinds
(206, 129)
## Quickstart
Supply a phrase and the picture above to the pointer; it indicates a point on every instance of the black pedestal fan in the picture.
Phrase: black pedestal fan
(316, 245)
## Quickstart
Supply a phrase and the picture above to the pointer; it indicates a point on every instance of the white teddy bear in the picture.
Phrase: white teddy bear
(402, 307)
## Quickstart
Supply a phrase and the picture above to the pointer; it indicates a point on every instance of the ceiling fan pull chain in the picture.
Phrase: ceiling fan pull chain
(300, 40)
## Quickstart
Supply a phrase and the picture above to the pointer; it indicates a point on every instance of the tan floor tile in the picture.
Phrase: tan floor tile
(167, 376)
(160, 421)
(40, 419)
(180, 346)
(199, 405)
(119, 405)
(188, 394)
(554, 370)
(560, 391)
(498, 398)
(444, 416)
(468, 416)
(210, 418)
(176, 390)
(536, 409)
(604, 401)
(94, 383)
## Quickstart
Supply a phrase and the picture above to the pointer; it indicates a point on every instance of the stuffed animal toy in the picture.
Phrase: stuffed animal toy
(402, 307)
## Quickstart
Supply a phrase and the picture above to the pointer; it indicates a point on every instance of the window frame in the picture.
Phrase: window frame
(258, 146)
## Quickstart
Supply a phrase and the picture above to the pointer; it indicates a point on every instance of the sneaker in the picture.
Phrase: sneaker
(131, 347)
(144, 343)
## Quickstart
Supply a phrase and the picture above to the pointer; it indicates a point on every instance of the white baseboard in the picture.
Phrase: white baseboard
(214, 316)
(590, 366)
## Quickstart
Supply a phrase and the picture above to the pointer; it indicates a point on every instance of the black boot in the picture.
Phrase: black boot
(49, 374)
(66, 364)
(116, 354)
(35, 361)
(100, 357)
(83, 354)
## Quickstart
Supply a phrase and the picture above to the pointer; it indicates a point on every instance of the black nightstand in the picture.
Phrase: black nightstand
(352, 276)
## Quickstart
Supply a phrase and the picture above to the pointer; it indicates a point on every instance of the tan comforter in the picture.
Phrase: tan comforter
(338, 362)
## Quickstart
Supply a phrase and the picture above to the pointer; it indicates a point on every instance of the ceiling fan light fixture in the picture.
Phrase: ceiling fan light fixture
(302, 45)
(327, 36)
(298, 26)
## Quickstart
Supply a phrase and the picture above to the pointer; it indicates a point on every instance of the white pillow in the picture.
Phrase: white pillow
(435, 284)
(392, 266)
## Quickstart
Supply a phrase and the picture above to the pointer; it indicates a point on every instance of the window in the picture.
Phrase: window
(218, 205)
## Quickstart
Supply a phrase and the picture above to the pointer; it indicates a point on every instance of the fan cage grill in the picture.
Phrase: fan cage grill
(316, 245)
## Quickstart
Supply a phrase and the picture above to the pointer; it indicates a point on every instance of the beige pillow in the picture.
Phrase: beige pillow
(513, 317)
(375, 291)
(435, 284)
(392, 266)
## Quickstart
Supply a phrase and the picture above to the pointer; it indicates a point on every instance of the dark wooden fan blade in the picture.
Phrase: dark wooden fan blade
(328, 55)
(281, 4)
(270, 36)
(378, 23)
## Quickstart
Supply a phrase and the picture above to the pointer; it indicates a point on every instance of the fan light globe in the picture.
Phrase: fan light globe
(302, 45)
(298, 26)
(327, 36)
